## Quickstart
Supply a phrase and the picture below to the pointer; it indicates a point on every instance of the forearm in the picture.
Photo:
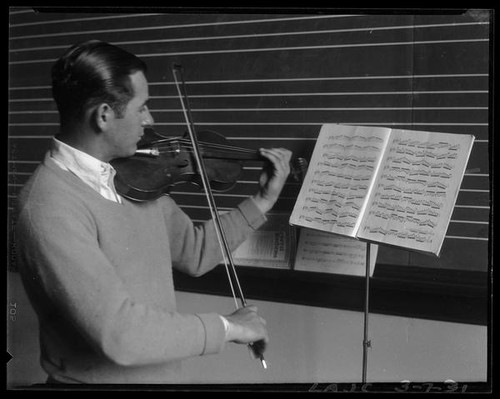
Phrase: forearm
(262, 203)
(196, 250)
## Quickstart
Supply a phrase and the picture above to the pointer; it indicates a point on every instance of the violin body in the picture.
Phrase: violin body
(162, 162)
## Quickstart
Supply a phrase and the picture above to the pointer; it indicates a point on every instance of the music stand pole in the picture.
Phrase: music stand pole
(366, 341)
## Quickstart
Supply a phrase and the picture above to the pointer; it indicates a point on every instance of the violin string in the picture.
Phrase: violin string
(207, 146)
(223, 155)
(217, 145)
(187, 142)
(162, 150)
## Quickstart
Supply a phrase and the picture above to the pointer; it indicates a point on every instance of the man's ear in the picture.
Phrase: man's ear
(102, 116)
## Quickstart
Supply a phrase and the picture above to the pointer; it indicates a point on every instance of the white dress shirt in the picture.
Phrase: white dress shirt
(97, 174)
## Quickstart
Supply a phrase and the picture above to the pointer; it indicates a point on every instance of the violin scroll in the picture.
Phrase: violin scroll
(298, 169)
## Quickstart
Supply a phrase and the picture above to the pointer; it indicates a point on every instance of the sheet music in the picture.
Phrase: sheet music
(344, 163)
(330, 253)
(413, 198)
(270, 246)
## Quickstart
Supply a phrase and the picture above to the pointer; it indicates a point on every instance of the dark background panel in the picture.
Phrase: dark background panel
(273, 80)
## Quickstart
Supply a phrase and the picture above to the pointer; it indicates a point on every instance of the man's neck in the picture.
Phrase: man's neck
(85, 142)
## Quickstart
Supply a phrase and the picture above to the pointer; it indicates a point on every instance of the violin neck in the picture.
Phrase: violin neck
(232, 154)
(298, 166)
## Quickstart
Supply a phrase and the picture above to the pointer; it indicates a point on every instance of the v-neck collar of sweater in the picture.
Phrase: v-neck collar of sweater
(76, 181)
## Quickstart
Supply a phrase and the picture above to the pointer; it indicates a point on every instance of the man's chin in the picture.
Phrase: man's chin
(131, 152)
(127, 154)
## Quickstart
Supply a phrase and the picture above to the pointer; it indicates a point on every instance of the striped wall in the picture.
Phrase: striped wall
(273, 80)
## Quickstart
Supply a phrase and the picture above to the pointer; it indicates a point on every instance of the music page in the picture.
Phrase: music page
(418, 184)
(330, 253)
(271, 246)
(341, 171)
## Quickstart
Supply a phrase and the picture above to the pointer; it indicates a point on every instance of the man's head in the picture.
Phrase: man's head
(102, 88)
(90, 73)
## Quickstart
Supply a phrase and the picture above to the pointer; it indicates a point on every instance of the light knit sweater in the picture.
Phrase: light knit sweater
(99, 276)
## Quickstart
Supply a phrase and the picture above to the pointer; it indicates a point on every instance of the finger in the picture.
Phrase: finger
(258, 347)
(251, 351)
(279, 153)
(273, 158)
(280, 157)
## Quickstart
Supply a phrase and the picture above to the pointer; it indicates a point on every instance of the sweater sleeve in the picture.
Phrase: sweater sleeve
(67, 272)
(195, 249)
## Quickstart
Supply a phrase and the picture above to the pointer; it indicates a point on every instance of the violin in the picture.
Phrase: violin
(161, 162)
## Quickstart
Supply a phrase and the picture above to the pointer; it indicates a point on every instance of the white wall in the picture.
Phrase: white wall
(308, 345)
(325, 345)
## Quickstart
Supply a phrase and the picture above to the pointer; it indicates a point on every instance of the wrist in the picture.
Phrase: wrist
(226, 327)
(262, 203)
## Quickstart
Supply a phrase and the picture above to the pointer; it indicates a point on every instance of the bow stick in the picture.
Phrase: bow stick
(226, 252)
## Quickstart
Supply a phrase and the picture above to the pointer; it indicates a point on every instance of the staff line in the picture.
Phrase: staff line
(145, 28)
(305, 94)
(284, 109)
(290, 48)
(280, 80)
(287, 124)
(260, 35)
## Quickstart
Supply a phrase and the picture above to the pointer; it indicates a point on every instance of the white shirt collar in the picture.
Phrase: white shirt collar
(92, 171)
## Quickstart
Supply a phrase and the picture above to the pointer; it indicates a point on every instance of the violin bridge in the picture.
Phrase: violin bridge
(176, 147)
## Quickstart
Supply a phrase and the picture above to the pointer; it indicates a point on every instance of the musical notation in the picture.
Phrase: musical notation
(329, 253)
(416, 189)
(384, 185)
(342, 173)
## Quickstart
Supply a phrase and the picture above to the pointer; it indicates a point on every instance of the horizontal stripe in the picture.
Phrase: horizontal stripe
(257, 168)
(279, 80)
(467, 238)
(321, 109)
(284, 109)
(333, 46)
(468, 221)
(34, 100)
(221, 195)
(261, 35)
(285, 124)
(294, 48)
(245, 196)
(472, 206)
(347, 93)
(45, 137)
(206, 207)
(235, 195)
(162, 27)
(16, 12)
(20, 173)
(304, 94)
(469, 190)
(78, 20)
(364, 77)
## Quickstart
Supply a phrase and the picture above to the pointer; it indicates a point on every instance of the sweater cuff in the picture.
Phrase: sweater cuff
(252, 214)
(215, 334)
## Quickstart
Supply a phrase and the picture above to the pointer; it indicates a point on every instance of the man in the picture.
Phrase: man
(96, 266)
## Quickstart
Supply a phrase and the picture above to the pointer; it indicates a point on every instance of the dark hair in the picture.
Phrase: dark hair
(91, 73)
